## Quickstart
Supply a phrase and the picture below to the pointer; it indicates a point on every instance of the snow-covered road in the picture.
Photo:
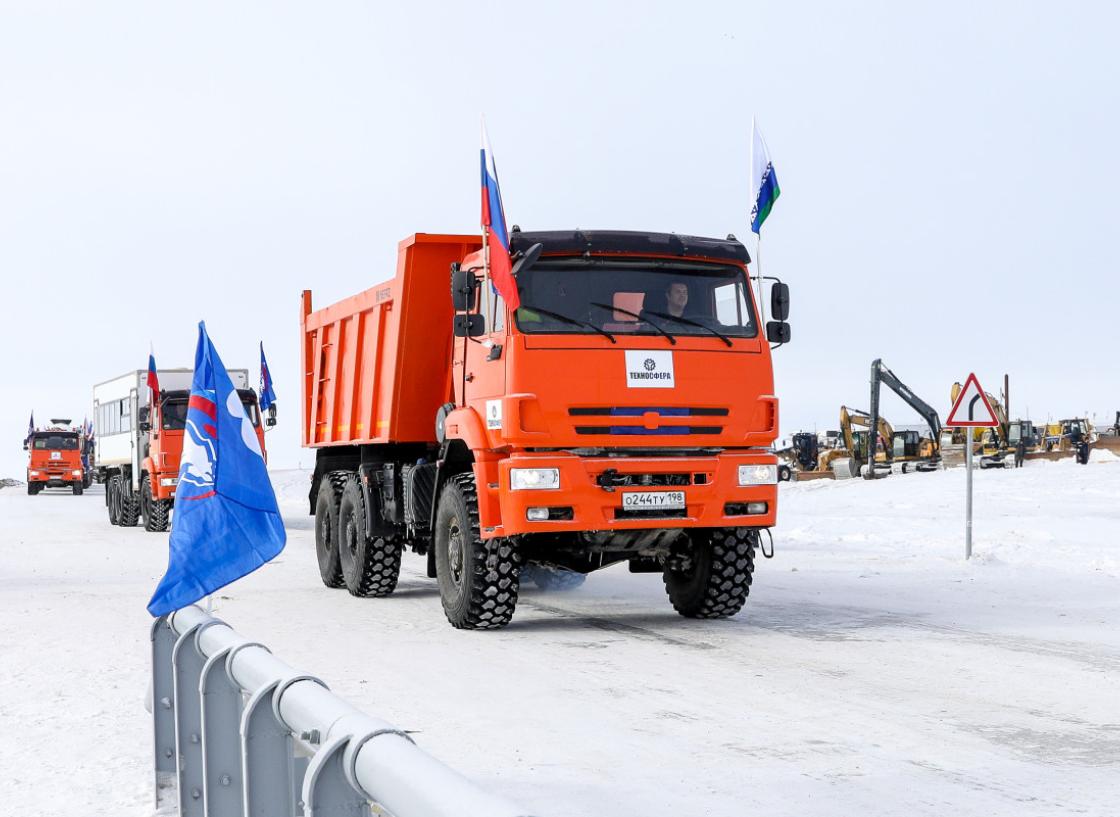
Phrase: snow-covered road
(873, 671)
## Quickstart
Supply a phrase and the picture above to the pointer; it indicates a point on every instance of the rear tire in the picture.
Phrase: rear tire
(478, 579)
(716, 582)
(156, 513)
(326, 528)
(129, 504)
(112, 500)
(371, 565)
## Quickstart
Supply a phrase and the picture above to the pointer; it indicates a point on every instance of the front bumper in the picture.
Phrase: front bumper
(53, 478)
(713, 496)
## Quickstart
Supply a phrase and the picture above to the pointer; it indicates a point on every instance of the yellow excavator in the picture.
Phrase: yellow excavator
(847, 461)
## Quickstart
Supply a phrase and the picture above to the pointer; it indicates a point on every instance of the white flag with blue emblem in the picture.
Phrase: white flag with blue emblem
(764, 181)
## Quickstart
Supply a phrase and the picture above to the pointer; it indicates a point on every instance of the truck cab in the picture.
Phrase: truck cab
(54, 460)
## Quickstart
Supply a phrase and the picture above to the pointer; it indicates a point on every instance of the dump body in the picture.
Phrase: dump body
(377, 365)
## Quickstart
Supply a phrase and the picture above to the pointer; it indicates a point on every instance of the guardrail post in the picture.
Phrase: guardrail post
(188, 662)
(269, 769)
(327, 790)
(221, 740)
(163, 704)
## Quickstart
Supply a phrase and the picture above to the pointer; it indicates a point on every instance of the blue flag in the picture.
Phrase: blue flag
(226, 522)
(268, 396)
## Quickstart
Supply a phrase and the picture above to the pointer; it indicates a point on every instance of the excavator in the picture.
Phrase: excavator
(848, 460)
(907, 447)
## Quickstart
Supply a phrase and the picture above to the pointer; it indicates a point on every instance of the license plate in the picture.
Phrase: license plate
(653, 500)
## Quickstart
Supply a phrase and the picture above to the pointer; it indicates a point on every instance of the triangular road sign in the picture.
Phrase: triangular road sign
(972, 409)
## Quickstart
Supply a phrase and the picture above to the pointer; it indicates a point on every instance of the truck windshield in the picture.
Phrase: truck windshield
(636, 297)
(175, 413)
(56, 442)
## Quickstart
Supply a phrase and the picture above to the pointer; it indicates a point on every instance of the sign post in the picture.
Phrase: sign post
(971, 410)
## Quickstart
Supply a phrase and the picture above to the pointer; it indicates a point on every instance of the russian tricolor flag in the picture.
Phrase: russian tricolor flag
(494, 228)
(153, 379)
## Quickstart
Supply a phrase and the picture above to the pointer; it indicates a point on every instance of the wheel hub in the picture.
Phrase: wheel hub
(455, 553)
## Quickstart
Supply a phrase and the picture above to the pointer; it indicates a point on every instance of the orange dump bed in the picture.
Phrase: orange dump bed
(377, 365)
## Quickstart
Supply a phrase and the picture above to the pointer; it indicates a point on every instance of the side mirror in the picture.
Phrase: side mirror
(779, 301)
(145, 426)
(270, 420)
(464, 289)
(527, 259)
(25, 446)
(777, 332)
(469, 325)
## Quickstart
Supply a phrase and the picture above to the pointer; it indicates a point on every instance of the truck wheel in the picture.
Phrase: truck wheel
(717, 578)
(478, 580)
(326, 530)
(77, 488)
(371, 565)
(548, 577)
(32, 489)
(154, 512)
(129, 504)
(87, 480)
(112, 500)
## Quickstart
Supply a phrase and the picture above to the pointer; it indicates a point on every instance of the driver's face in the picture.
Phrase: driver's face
(678, 295)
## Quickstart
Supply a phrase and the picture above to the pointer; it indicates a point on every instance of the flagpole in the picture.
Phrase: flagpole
(758, 270)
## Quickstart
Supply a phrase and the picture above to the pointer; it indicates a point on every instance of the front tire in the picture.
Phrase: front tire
(370, 565)
(716, 580)
(326, 529)
(478, 579)
(77, 488)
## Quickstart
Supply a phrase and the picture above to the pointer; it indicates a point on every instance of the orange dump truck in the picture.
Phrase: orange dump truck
(624, 413)
(54, 459)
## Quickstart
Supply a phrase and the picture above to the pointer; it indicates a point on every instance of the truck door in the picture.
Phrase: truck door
(485, 358)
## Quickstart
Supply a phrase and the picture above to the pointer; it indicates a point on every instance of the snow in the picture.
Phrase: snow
(873, 671)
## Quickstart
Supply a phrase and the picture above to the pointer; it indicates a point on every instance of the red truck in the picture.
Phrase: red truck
(54, 459)
(138, 444)
(625, 413)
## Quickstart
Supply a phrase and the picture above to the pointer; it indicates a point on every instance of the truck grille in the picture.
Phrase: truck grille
(638, 412)
(616, 479)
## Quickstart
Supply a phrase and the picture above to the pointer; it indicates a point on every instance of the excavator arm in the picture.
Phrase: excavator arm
(880, 374)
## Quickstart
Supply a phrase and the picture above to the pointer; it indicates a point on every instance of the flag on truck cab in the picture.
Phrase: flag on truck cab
(764, 181)
(226, 520)
(268, 396)
(494, 228)
(30, 428)
(153, 378)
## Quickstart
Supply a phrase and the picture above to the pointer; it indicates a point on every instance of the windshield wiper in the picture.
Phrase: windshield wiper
(567, 319)
(672, 339)
(690, 322)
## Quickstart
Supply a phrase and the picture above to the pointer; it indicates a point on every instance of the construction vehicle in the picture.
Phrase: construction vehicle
(1074, 436)
(54, 458)
(851, 456)
(589, 427)
(136, 452)
(908, 449)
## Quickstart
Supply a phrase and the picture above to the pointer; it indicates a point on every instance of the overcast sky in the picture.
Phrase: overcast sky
(948, 177)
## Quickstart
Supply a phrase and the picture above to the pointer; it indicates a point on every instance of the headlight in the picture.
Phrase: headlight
(758, 474)
(526, 479)
(169, 482)
(76, 473)
(34, 473)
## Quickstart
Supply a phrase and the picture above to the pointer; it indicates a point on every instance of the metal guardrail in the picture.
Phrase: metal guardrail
(240, 733)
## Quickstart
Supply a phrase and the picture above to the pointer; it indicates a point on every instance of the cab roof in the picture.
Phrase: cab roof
(578, 242)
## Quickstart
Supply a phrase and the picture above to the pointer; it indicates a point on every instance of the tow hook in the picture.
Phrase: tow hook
(762, 546)
(610, 479)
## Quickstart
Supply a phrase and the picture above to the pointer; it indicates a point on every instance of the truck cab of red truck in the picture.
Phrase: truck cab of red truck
(624, 413)
(54, 459)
